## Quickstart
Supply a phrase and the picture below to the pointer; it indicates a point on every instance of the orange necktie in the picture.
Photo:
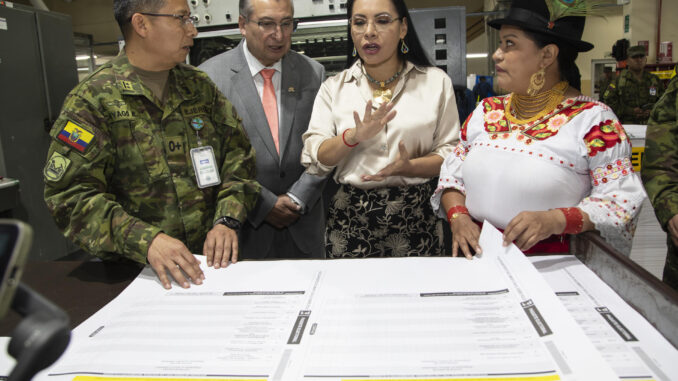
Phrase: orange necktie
(270, 104)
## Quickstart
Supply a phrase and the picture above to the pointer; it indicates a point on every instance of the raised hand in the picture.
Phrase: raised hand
(372, 122)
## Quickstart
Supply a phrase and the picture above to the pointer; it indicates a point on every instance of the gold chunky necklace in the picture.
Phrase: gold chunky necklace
(382, 94)
(524, 109)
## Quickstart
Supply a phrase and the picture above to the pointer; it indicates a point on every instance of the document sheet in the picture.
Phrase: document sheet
(634, 349)
(490, 318)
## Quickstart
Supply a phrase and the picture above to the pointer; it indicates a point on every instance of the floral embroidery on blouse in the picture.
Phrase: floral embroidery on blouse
(460, 151)
(621, 167)
(498, 126)
(495, 120)
(603, 136)
(550, 158)
(614, 210)
(463, 127)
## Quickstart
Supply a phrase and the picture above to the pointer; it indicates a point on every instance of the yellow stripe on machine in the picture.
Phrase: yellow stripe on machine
(664, 74)
(637, 157)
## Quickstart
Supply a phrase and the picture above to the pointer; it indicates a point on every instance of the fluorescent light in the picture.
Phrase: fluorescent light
(476, 55)
(83, 57)
(320, 24)
(302, 25)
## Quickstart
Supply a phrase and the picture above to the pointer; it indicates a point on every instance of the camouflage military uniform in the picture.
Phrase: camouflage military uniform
(627, 93)
(660, 170)
(603, 84)
(119, 169)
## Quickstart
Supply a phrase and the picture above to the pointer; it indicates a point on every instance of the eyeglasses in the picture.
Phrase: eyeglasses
(381, 23)
(185, 19)
(270, 26)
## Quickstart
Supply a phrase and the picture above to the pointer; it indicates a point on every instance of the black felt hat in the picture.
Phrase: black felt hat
(534, 15)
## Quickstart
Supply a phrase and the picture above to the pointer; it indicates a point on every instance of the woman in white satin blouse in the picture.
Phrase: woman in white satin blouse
(383, 126)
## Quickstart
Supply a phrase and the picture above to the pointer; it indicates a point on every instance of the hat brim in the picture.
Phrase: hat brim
(579, 45)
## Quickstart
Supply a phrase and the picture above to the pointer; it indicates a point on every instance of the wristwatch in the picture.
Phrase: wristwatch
(229, 222)
(302, 207)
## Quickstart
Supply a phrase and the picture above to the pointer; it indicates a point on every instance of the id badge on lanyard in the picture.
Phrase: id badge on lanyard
(204, 162)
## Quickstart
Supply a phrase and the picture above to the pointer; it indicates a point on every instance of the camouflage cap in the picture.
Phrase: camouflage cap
(636, 51)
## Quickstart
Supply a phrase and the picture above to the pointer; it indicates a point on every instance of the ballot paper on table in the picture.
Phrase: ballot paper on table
(493, 317)
(632, 347)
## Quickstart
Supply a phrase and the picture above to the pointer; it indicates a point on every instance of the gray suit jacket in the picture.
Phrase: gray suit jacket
(278, 174)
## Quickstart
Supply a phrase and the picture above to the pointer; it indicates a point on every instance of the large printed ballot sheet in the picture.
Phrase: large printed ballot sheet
(634, 349)
(491, 318)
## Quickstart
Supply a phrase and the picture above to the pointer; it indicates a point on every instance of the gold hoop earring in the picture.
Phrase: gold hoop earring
(536, 82)
(403, 47)
(355, 53)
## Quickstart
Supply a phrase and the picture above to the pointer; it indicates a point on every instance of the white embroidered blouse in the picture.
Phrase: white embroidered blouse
(578, 155)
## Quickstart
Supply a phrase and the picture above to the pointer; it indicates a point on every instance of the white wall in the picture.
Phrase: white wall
(643, 24)
(478, 65)
(602, 32)
(669, 29)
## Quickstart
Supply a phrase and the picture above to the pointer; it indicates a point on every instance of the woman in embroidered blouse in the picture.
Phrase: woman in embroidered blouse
(386, 158)
(543, 160)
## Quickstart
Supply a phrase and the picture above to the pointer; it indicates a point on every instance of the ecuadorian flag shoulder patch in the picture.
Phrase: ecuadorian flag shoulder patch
(76, 136)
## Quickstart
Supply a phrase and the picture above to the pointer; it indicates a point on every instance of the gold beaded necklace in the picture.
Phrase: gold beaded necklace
(524, 109)
(382, 94)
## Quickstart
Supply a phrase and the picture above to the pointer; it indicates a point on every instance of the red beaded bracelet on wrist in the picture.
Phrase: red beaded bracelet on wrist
(343, 137)
(574, 220)
(455, 212)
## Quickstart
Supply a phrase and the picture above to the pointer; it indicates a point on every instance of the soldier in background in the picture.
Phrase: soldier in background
(148, 160)
(608, 77)
(660, 173)
(635, 91)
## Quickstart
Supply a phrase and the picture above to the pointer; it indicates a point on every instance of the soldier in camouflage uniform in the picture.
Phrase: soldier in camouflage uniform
(608, 77)
(635, 91)
(120, 178)
(660, 173)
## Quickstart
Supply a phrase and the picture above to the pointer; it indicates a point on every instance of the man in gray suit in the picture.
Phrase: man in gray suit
(273, 89)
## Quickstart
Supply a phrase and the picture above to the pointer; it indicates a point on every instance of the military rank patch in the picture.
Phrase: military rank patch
(76, 136)
(126, 85)
(56, 167)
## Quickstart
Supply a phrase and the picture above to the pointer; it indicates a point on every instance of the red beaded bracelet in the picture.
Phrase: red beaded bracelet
(455, 212)
(574, 220)
(343, 137)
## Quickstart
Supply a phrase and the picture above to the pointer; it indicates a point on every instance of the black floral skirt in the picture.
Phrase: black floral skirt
(383, 222)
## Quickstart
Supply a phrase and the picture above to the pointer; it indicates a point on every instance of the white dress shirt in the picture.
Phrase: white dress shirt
(255, 68)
